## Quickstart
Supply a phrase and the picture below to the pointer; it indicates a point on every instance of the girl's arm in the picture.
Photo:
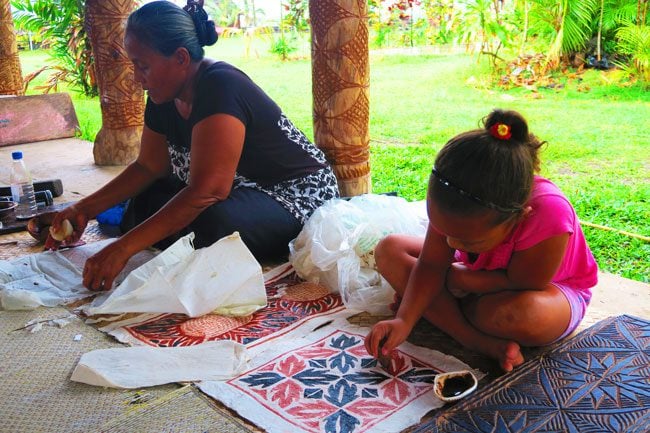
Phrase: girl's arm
(529, 269)
(426, 280)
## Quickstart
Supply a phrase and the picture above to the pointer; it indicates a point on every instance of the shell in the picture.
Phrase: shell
(63, 233)
(463, 381)
(39, 226)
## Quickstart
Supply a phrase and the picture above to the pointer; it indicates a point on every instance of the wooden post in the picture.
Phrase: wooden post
(340, 82)
(121, 98)
(11, 77)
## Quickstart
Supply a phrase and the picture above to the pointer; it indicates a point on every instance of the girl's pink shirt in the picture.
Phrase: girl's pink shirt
(551, 215)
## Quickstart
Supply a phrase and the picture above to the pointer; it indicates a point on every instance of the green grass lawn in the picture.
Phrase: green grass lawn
(597, 132)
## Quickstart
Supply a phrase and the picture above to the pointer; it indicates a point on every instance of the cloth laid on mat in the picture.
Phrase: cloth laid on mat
(598, 381)
(52, 278)
(224, 277)
(135, 367)
(290, 302)
(319, 378)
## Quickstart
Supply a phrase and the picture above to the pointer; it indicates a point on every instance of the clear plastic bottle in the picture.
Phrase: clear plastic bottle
(22, 188)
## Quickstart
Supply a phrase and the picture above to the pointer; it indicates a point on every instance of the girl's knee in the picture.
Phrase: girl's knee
(386, 250)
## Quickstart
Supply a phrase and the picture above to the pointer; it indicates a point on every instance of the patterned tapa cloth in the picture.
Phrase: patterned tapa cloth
(319, 378)
(291, 301)
(310, 371)
(598, 381)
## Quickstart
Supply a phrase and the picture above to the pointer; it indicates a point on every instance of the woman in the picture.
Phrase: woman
(217, 154)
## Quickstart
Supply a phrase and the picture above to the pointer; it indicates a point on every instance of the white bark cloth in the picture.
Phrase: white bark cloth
(223, 278)
(53, 278)
(319, 378)
(135, 367)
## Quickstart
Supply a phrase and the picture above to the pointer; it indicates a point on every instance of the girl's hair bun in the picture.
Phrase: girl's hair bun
(517, 127)
(205, 28)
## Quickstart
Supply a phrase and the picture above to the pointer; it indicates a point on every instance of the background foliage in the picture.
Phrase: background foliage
(61, 24)
(438, 67)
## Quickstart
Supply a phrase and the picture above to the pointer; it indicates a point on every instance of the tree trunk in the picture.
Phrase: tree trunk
(121, 98)
(340, 83)
(600, 30)
(11, 77)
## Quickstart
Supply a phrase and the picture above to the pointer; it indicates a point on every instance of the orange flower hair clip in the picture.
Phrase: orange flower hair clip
(500, 131)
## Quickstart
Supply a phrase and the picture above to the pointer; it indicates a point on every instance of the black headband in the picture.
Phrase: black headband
(445, 182)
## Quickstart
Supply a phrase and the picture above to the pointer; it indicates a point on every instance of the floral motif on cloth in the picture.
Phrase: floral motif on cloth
(322, 380)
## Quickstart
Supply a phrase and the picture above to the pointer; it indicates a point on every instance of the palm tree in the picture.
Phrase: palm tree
(62, 24)
(573, 23)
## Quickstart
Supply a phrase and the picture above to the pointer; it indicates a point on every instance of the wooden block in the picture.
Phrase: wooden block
(26, 119)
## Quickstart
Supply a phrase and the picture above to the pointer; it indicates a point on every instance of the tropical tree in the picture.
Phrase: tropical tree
(489, 23)
(634, 41)
(441, 16)
(567, 22)
(61, 22)
(223, 12)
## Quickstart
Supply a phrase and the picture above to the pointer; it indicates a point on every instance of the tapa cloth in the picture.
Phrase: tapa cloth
(319, 378)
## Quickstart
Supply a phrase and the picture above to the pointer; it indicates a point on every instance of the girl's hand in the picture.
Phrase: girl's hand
(102, 268)
(79, 221)
(455, 280)
(386, 336)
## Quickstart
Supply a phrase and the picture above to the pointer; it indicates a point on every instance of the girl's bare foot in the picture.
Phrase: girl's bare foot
(507, 353)
(511, 356)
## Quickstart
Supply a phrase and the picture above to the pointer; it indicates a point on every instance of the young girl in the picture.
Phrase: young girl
(504, 263)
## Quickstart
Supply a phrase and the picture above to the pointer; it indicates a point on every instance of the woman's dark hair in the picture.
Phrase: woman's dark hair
(487, 169)
(165, 27)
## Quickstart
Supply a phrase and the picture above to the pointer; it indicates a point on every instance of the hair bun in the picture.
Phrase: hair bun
(517, 128)
(205, 28)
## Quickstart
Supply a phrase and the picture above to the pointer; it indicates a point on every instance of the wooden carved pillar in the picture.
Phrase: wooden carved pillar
(11, 77)
(340, 82)
(121, 98)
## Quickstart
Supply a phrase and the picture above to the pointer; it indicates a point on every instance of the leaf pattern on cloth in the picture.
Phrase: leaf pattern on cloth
(332, 385)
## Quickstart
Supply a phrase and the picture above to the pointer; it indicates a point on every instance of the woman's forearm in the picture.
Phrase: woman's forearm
(177, 214)
(134, 179)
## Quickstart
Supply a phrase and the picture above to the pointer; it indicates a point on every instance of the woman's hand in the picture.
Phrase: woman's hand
(102, 268)
(386, 336)
(77, 218)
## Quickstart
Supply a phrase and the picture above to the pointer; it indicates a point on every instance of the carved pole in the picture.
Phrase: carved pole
(340, 82)
(121, 98)
(11, 77)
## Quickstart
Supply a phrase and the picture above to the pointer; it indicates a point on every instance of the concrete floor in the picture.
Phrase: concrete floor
(71, 160)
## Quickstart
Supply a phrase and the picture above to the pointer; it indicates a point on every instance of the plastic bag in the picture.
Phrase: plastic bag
(336, 246)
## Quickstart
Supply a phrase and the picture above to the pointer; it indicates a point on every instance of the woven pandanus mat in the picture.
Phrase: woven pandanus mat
(183, 410)
(36, 392)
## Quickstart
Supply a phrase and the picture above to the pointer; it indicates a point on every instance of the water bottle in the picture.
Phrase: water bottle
(22, 188)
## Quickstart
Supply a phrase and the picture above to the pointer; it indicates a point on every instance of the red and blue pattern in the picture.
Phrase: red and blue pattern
(332, 385)
(290, 301)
